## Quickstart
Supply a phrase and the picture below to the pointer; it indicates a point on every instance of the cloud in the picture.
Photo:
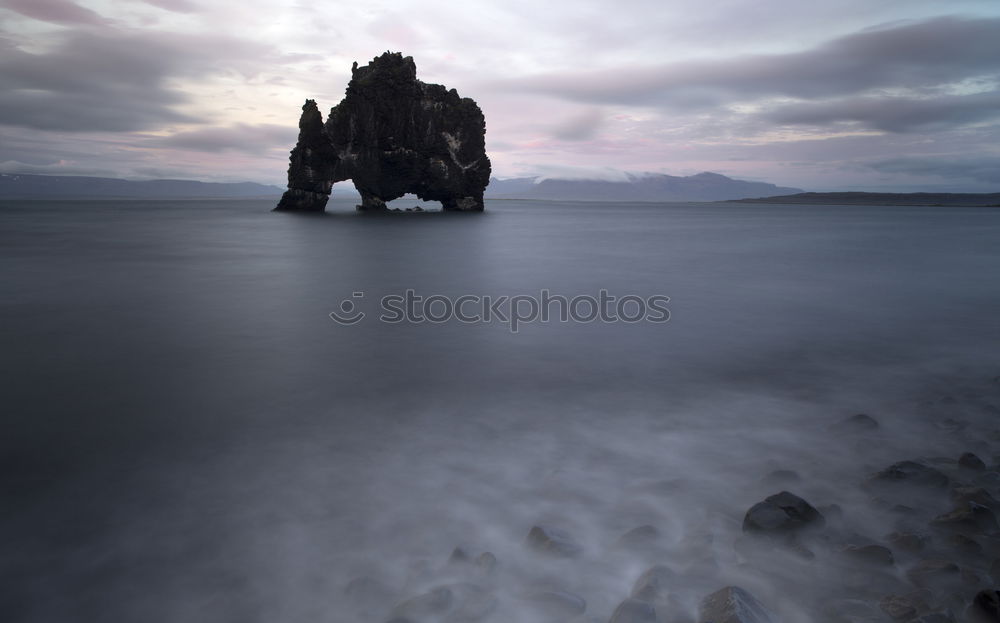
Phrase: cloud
(894, 114)
(121, 81)
(90, 82)
(55, 11)
(981, 169)
(565, 172)
(252, 139)
(581, 127)
(177, 6)
(60, 167)
(917, 55)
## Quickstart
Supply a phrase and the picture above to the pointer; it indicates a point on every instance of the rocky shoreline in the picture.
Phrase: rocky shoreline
(916, 540)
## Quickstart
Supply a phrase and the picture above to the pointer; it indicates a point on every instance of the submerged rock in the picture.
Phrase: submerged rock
(935, 573)
(910, 473)
(856, 424)
(459, 602)
(634, 611)
(971, 461)
(639, 538)
(985, 607)
(391, 134)
(782, 514)
(970, 517)
(434, 603)
(557, 604)
(907, 541)
(961, 496)
(732, 605)
(870, 554)
(898, 607)
(548, 540)
(653, 585)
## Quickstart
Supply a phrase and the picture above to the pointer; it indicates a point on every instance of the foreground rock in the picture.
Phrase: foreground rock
(898, 607)
(985, 608)
(732, 605)
(548, 540)
(391, 134)
(654, 584)
(910, 473)
(459, 602)
(557, 604)
(634, 611)
(781, 515)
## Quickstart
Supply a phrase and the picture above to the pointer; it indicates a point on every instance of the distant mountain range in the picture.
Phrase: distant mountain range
(892, 199)
(17, 186)
(645, 187)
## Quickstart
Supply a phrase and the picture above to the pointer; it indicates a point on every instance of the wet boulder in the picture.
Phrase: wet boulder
(556, 604)
(639, 538)
(936, 573)
(877, 555)
(961, 496)
(910, 473)
(634, 611)
(985, 607)
(858, 423)
(970, 461)
(462, 602)
(781, 515)
(732, 605)
(969, 517)
(549, 540)
(654, 584)
(898, 607)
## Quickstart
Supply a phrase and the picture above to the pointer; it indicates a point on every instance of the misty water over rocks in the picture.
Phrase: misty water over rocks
(190, 437)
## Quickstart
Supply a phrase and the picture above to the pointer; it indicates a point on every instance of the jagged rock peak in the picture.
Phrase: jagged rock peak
(391, 134)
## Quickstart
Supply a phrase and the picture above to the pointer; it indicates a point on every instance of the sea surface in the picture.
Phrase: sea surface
(188, 436)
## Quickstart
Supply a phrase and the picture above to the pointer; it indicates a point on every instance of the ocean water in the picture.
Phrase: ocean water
(189, 436)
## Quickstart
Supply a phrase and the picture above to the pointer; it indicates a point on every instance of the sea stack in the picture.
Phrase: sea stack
(391, 134)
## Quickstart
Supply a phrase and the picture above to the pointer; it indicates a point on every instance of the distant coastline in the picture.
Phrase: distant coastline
(25, 187)
(969, 200)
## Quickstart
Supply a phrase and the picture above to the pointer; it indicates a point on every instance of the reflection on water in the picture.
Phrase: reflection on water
(189, 437)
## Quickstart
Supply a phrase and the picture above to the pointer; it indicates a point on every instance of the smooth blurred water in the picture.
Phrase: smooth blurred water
(187, 436)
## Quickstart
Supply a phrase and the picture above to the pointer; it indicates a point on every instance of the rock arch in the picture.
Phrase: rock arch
(391, 134)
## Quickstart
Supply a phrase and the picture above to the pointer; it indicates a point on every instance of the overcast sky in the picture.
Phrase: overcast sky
(850, 94)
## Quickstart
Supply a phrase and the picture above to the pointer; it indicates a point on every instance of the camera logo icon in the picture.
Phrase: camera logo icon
(349, 313)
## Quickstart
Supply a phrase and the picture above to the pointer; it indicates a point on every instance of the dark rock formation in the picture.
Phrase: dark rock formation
(634, 611)
(654, 584)
(781, 514)
(898, 607)
(391, 134)
(910, 473)
(732, 605)
(549, 540)
(860, 422)
(556, 604)
(870, 554)
(639, 539)
(985, 608)
(970, 516)
(970, 461)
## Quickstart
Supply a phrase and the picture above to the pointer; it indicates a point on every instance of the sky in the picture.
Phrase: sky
(893, 95)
